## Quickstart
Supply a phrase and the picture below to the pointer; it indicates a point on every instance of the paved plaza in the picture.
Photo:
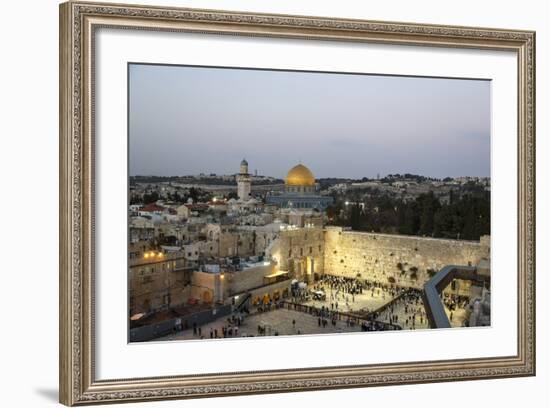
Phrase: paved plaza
(274, 321)
(410, 315)
(368, 301)
(406, 311)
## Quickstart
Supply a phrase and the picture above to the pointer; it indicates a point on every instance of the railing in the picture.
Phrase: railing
(435, 310)
(402, 293)
(243, 302)
(339, 315)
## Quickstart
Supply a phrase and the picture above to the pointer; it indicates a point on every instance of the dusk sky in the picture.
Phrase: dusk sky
(187, 120)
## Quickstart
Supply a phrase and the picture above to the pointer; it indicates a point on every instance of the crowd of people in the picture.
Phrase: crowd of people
(406, 310)
(343, 291)
(230, 329)
(403, 310)
(326, 316)
(341, 284)
(454, 303)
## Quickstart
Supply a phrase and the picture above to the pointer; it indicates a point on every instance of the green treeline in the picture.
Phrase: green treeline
(465, 217)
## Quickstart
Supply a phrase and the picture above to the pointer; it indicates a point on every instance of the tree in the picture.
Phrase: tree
(232, 194)
(428, 204)
(355, 217)
(466, 214)
(409, 219)
(152, 197)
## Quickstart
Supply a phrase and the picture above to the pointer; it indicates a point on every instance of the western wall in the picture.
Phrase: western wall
(407, 260)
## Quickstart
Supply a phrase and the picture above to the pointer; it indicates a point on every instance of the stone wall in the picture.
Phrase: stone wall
(301, 252)
(154, 285)
(208, 287)
(381, 256)
(248, 278)
(236, 243)
(263, 240)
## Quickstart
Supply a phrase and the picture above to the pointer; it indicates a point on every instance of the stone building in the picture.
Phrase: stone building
(141, 229)
(264, 235)
(300, 251)
(158, 281)
(225, 284)
(307, 218)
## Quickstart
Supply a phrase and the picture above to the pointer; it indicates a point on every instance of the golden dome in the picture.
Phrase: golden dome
(300, 175)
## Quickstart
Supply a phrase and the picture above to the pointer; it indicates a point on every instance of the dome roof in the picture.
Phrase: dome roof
(300, 175)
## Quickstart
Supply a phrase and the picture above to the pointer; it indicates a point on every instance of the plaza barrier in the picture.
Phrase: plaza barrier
(351, 318)
(164, 328)
(396, 299)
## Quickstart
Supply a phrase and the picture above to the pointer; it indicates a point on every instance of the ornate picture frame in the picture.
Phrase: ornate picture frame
(78, 24)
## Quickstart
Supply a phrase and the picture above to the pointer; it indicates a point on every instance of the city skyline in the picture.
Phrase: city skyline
(253, 172)
(192, 120)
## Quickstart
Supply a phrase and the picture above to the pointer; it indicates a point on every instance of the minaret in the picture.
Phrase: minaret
(243, 182)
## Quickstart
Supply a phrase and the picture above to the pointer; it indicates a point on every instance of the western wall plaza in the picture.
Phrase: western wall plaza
(245, 255)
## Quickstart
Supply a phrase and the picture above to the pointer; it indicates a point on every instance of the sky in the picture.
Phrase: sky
(190, 120)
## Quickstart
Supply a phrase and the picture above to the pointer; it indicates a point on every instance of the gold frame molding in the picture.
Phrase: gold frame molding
(78, 22)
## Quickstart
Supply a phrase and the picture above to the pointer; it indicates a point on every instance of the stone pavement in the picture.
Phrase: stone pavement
(410, 315)
(280, 321)
(277, 320)
(369, 300)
